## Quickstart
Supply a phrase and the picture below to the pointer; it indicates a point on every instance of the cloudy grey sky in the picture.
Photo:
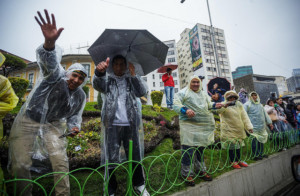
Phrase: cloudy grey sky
(261, 33)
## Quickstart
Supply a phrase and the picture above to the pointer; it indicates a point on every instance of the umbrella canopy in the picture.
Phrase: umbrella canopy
(223, 84)
(138, 46)
(164, 68)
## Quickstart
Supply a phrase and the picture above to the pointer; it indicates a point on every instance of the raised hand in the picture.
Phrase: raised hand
(102, 66)
(49, 29)
(131, 69)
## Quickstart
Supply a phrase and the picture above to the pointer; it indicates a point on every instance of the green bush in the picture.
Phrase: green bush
(86, 89)
(19, 85)
(156, 97)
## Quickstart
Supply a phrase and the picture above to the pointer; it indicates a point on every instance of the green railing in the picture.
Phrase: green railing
(162, 172)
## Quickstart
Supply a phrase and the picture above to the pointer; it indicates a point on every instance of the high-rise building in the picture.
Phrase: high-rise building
(242, 71)
(293, 82)
(196, 54)
(154, 79)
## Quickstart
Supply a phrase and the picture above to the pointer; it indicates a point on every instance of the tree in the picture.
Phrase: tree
(12, 63)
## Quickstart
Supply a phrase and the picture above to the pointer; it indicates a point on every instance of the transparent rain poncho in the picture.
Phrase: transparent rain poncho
(259, 118)
(51, 110)
(234, 122)
(8, 100)
(120, 94)
(198, 130)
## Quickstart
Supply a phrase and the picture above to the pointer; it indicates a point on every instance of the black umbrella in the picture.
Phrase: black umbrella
(223, 84)
(138, 46)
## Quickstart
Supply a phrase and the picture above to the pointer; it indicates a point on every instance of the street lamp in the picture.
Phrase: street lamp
(213, 39)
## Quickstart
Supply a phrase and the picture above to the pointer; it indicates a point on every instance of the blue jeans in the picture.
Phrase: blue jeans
(169, 91)
(191, 167)
(257, 148)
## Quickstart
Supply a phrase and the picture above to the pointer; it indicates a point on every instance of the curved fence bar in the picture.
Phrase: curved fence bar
(162, 172)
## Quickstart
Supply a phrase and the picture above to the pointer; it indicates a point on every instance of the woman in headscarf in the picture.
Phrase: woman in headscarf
(197, 126)
(260, 120)
(234, 124)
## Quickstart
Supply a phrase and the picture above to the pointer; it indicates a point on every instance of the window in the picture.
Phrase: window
(161, 84)
(153, 76)
(225, 70)
(222, 55)
(221, 48)
(30, 78)
(153, 84)
(176, 90)
(175, 82)
(160, 76)
(170, 45)
(205, 30)
(206, 38)
(170, 60)
(87, 67)
(171, 52)
(210, 61)
(220, 41)
(208, 68)
(174, 74)
(207, 45)
(219, 34)
(145, 78)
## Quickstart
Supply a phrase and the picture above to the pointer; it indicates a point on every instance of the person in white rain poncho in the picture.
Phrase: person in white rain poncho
(197, 126)
(234, 124)
(121, 117)
(52, 109)
(260, 120)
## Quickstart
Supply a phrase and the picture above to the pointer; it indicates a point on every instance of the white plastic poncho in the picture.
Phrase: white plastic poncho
(234, 121)
(120, 95)
(259, 118)
(50, 110)
(198, 130)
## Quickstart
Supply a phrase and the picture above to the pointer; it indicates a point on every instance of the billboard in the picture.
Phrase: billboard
(195, 49)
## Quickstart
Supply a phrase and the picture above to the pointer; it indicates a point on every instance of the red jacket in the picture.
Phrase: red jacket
(168, 81)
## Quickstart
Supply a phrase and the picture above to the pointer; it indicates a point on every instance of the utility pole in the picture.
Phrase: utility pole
(212, 34)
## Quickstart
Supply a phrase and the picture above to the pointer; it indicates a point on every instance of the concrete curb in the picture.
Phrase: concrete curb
(264, 177)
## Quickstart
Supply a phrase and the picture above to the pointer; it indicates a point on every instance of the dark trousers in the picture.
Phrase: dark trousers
(257, 148)
(235, 155)
(114, 138)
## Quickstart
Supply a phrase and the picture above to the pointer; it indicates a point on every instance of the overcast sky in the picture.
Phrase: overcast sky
(261, 33)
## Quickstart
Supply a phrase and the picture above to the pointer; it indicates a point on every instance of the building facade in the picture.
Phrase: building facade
(32, 71)
(242, 71)
(263, 85)
(293, 82)
(281, 85)
(154, 79)
(196, 55)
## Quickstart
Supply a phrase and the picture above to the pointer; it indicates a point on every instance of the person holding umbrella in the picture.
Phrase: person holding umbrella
(167, 78)
(121, 116)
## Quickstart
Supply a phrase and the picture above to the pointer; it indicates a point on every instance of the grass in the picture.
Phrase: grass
(89, 106)
(166, 113)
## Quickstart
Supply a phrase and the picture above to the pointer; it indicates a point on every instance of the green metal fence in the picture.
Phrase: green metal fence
(162, 173)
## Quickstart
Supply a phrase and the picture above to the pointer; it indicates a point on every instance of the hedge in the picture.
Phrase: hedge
(156, 97)
(19, 85)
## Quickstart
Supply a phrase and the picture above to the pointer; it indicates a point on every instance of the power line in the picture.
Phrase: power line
(186, 22)
(148, 12)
